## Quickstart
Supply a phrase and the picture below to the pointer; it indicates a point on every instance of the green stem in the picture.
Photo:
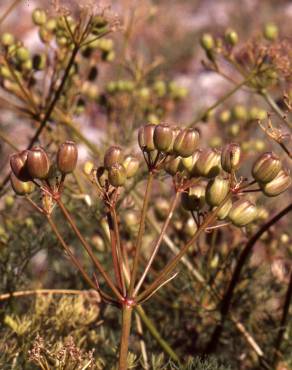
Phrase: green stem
(155, 333)
(275, 107)
(141, 231)
(89, 250)
(125, 333)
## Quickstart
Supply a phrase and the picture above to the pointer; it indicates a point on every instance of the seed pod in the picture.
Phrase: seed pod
(18, 164)
(117, 175)
(189, 163)
(112, 156)
(22, 54)
(209, 163)
(194, 199)
(161, 208)
(39, 17)
(21, 187)
(231, 37)
(207, 41)
(239, 112)
(186, 142)
(7, 39)
(173, 165)
(242, 213)
(38, 163)
(266, 167)
(145, 138)
(271, 31)
(217, 190)
(67, 157)
(230, 157)
(131, 165)
(278, 185)
(224, 210)
(162, 137)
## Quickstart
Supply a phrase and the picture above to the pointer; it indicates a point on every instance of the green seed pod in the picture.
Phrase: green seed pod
(160, 88)
(207, 41)
(117, 175)
(217, 190)
(224, 116)
(271, 31)
(194, 199)
(88, 167)
(131, 165)
(45, 35)
(256, 113)
(51, 25)
(5, 72)
(90, 90)
(189, 162)
(162, 137)
(131, 220)
(186, 142)
(278, 185)
(209, 163)
(18, 164)
(242, 213)
(38, 163)
(173, 165)
(21, 187)
(106, 45)
(7, 39)
(145, 138)
(161, 208)
(26, 66)
(239, 112)
(9, 199)
(266, 167)
(39, 17)
(231, 37)
(224, 210)
(190, 227)
(67, 157)
(113, 155)
(22, 54)
(230, 157)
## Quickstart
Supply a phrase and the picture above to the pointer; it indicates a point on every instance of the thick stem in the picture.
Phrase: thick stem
(158, 242)
(227, 299)
(141, 231)
(89, 250)
(125, 333)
